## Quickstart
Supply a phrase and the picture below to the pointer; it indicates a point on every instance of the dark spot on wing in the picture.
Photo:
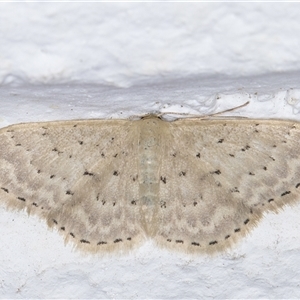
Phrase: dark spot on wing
(285, 193)
(163, 179)
(56, 150)
(213, 242)
(246, 221)
(102, 243)
(234, 190)
(84, 241)
(163, 204)
(218, 172)
(88, 173)
(4, 189)
(247, 147)
(195, 244)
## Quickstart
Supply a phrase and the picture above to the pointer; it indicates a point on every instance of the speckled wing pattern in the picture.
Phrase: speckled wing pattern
(225, 174)
(193, 185)
(79, 176)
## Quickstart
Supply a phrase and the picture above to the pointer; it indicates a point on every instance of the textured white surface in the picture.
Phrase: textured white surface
(121, 59)
(118, 42)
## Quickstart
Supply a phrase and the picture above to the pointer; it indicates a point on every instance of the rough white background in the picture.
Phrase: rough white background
(113, 60)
